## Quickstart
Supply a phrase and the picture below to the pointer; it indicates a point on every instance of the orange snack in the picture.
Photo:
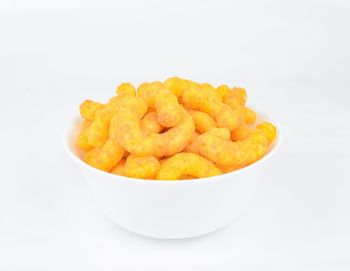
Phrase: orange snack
(145, 167)
(175, 130)
(186, 164)
(240, 153)
(209, 102)
(163, 100)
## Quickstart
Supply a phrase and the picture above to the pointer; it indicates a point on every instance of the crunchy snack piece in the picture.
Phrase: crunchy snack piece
(240, 133)
(176, 85)
(126, 89)
(134, 140)
(238, 95)
(223, 91)
(186, 164)
(249, 115)
(97, 133)
(149, 123)
(163, 100)
(119, 169)
(210, 102)
(144, 167)
(240, 153)
(88, 109)
(82, 140)
(195, 145)
(106, 157)
(202, 120)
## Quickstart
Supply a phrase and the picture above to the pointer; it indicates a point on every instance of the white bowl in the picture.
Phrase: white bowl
(169, 209)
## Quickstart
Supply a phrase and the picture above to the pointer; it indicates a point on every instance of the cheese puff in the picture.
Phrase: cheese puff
(149, 123)
(210, 103)
(206, 87)
(82, 141)
(110, 153)
(176, 85)
(144, 167)
(223, 91)
(237, 99)
(240, 153)
(146, 87)
(222, 133)
(106, 157)
(175, 139)
(249, 115)
(186, 164)
(165, 103)
(133, 139)
(126, 89)
(119, 169)
(88, 109)
(240, 133)
(269, 130)
(97, 133)
(91, 155)
(239, 94)
(194, 145)
(202, 120)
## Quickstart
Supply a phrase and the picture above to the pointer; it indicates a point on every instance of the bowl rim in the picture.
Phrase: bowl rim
(276, 146)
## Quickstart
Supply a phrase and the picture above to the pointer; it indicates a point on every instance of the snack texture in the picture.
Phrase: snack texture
(172, 130)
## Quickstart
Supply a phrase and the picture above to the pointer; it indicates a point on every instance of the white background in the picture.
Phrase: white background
(293, 58)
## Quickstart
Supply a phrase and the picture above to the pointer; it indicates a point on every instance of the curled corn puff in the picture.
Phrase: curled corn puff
(249, 115)
(209, 89)
(202, 120)
(133, 139)
(88, 109)
(236, 99)
(222, 133)
(194, 145)
(97, 133)
(109, 155)
(126, 89)
(82, 140)
(176, 85)
(240, 133)
(119, 169)
(186, 164)
(149, 123)
(106, 157)
(163, 100)
(210, 102)
(238, 94)
(144, 167)
(240, 153)
(223, 91)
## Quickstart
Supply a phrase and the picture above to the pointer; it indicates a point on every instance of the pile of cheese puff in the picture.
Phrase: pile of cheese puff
(172, 130)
